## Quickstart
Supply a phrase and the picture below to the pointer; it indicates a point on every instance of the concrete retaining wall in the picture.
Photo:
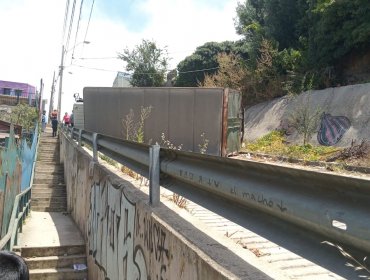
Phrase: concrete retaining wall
(352, 102)
(127, 239)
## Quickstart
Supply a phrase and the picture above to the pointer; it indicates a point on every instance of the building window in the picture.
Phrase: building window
(18, 92)
(7, 91)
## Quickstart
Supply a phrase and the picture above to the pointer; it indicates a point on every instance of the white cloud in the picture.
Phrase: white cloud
(31, 39)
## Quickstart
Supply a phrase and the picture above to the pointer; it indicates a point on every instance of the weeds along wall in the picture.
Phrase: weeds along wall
(183, 115)
(127, 239)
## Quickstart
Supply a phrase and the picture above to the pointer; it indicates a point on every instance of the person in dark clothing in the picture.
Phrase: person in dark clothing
(54, 125)
(12, 266)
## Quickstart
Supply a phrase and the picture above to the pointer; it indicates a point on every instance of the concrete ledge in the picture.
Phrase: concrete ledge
(125, 236)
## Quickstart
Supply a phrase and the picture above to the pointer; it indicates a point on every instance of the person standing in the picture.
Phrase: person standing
(54, 114)
(66, 119)
(43, 121)
(54, 125)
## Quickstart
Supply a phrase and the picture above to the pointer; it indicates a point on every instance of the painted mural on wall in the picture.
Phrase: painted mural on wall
(119, 234)
(28, 154)
(332, 129)
(10, 180)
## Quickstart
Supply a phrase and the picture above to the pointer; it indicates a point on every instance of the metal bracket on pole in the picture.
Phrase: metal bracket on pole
(95, 146)
(80, 137)
(154, 170)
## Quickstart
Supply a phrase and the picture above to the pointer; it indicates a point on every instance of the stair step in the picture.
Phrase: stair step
(42, 166)
(28, 252)
(48, 209)
(48, 181)
(48, 192)
(48, 186)
(57, 274)
(46, 203)
(37, 199)
(46, 161)
(48, 168)
(55, 261)
(48, 176)
(48, 157)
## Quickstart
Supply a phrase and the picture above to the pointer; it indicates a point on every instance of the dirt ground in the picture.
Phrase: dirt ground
(338, 167)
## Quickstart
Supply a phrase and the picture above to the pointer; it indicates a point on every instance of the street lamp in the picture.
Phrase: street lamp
(61, 68)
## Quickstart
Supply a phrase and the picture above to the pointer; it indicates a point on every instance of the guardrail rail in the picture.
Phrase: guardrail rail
(331, 205)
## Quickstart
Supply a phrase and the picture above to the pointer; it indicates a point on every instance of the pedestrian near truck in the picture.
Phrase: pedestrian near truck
(66, 119)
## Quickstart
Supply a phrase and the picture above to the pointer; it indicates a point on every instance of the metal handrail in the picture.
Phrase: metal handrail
(332, 205)
(21, 209)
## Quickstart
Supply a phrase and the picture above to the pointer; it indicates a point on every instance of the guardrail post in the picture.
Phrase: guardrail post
(95, 146)
(80, 137)
(154, 169)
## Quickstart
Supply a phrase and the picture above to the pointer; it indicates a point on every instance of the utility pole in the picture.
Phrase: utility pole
(60, 84)
(51, 105)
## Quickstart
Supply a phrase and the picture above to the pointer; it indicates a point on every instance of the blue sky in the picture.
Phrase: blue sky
(32, 37)
(128, 12)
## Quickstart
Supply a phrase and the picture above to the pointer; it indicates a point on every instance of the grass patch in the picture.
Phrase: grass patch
(274, 143)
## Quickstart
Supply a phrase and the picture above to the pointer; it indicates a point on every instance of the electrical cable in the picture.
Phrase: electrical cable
(70, 24)
(78, 26)
(88, 23)
(65, 20)
(145, 73)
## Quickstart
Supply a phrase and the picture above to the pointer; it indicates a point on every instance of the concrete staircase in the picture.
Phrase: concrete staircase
(49, 190)
(51, 243)
(55, 262)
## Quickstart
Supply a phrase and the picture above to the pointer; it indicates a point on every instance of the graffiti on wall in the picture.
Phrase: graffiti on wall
(332, 129)
(10, 180)
(122, 239)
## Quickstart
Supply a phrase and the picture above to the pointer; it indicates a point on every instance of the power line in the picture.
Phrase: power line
(71, 23)
(65, 20)
(88, 23)
(94, 68)
(107, 57)
(145, 73)
(200, 70)
(78, 26)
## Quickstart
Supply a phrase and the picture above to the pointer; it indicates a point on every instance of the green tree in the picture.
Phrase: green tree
(204, 57)
(279, 20)
(336, 29)
(148, 64)
(22, 114)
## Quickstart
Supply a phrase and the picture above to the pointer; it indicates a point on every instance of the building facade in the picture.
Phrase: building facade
(17, 89)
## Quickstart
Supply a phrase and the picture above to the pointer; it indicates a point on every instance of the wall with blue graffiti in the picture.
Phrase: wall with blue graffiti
(10, 180)
(28, 155)
(345, 116)
(16, 162)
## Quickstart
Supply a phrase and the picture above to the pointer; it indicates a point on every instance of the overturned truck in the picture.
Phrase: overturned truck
(199, 119)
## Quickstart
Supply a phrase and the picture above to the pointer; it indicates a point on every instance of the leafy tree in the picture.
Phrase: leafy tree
(258, 83)
(22, 115)
(305, 120)
(148, 63)
(337, 28)
(232, 73)
(204, 57)
(279, 20)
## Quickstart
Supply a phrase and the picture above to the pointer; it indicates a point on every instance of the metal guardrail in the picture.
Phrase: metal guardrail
(334, 206)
